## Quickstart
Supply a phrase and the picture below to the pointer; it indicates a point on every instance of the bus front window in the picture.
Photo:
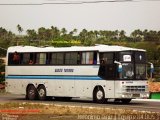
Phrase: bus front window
(133, 65)
(140, 71)
(127, 71)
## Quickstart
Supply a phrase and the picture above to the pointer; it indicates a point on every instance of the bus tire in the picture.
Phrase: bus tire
(31, 93)
(98, 95)
(126, 101)
(42, 92)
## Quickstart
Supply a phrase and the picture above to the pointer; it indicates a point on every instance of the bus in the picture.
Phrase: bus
(99, 72)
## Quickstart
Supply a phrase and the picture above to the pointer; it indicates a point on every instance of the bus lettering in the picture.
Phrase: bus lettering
(58, 70)
(68, 70)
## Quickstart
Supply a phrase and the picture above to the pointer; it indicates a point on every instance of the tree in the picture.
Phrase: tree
(83, 36)
(74, 31)
(32, 35)
(6, 39)
(116, 35)
(41, 35)
(20, 29)
(137, 35)
(63, 31)
(122, 35)
(55, 32)
(2, 70)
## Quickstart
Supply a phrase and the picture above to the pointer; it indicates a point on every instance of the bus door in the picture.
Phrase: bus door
(107, 71)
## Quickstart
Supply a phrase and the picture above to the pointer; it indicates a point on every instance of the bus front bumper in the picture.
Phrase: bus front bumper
(135, 95)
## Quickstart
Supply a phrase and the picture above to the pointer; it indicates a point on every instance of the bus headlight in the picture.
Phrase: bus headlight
(146, 88)
(126, 95)
(146, 95)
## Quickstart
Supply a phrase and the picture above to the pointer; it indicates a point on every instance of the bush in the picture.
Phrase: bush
(2, 78)
(2, 71)
(157, 73)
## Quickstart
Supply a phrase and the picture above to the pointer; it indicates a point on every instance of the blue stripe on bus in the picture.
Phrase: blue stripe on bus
(53, 77)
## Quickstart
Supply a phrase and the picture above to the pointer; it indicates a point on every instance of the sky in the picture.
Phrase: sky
(128, 16)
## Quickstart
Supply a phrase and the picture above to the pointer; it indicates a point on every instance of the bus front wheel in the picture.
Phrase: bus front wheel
(42, 92)
(31, 93)
(98, 95)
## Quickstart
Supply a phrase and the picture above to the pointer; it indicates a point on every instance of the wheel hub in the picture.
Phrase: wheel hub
(99, 95)
(31, 92)
(41, 92)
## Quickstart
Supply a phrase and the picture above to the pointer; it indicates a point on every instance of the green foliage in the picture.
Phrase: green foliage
(147, 39)
(2, 70)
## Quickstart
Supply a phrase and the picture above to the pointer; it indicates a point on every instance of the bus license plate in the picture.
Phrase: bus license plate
(136, 95)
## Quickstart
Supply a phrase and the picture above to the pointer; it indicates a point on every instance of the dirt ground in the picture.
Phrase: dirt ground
(30, 111)
(154, 86)
(2, 86)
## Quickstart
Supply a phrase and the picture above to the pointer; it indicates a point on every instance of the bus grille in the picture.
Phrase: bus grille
(135, 88)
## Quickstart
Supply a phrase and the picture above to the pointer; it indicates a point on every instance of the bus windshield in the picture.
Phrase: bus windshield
(140, 71)
(133, 65)
(127, 71)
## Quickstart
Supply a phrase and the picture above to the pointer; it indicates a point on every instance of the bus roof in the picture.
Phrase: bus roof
(100, 48)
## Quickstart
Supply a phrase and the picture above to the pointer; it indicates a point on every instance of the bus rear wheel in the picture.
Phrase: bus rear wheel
(98, 95)
(31, 93)
(42, 92)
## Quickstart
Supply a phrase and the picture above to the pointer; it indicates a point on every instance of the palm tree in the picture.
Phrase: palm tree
(71, 34)
(96, 34)
(55, 32)
(74, 30)
(137, 35)
(122, 35)
(20, 29)
(41, 34)
(63, 34)
(63, 31)
(83, 36)
(116, 34)
(32, 35)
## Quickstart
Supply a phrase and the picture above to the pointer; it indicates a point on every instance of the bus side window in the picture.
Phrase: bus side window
(30, 62)
(57, 58)
(48, 58)
(60, 58)
(41, 58)
(79, 57)
(16, 58)
(87, 58)
(71, 58)
(95, 58)
(25, 58)
(32, 58)
(10, 59)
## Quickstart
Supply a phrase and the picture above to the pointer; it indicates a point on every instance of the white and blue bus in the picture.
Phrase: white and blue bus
(98, 72)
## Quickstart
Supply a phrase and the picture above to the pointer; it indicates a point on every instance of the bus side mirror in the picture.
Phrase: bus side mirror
(119, 66)
(151, 69)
